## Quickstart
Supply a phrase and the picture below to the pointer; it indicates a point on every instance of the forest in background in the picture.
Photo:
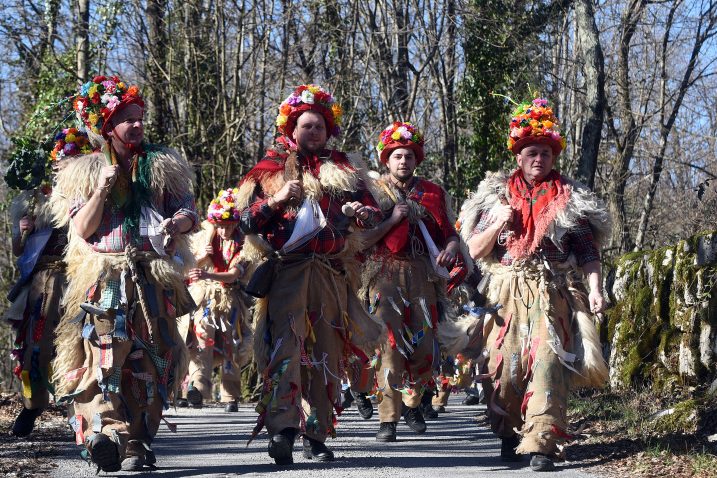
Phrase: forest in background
(632, 82)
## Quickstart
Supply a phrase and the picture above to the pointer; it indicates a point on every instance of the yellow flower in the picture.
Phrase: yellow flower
(396, 135)
(91, 92)
(70, 138)
(314, 89)
(225, 215)
(121, 85)
(337, 111)
(281, 120)
(92, 118)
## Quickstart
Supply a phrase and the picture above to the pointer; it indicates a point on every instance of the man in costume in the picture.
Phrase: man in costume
(301, 202)
(417, 252)
(218, 331)
(536, 232)
(118, 347)
(35, 309)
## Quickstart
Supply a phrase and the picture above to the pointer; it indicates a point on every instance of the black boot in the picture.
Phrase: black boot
(231, 407)
(507, 448)
(194, 397)
(25, 422)
(365, 407)
(348, 399)
(471, 400)
(181, 403)
(414, 419)
(386, 432)
(315, 450)
(103, 452)
(281, 447)
(539, 462)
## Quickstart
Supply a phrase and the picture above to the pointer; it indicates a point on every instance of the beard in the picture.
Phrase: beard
(403, 176)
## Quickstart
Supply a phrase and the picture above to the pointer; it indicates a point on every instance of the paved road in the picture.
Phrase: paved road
(212, 443)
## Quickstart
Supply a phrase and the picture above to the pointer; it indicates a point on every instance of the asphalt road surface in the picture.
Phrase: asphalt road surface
(212, 443)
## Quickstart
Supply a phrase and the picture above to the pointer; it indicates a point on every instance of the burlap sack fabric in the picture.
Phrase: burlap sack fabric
(311, 317)
(531, 340)
(119, 386)
(219, 335)
(404, 377)
(36, 330)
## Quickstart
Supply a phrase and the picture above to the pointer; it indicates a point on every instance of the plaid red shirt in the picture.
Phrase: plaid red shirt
(577, 240)
(277, 225)
(110, 235)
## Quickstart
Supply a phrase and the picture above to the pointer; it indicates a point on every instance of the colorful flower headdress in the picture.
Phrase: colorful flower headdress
(70, 142)
(224, 207)
(400, 135)
(534, 122)
(102, 97)
(305, 98)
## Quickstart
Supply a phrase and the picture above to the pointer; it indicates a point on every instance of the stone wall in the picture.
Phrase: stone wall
(663, 326)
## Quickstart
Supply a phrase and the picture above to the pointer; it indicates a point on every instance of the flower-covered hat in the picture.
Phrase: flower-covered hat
(309, 98)
(223, 208)
(70, 142)
(101, 98)
(534, 123)
(400, 135)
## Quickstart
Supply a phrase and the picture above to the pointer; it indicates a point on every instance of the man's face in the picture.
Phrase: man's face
(536, 161)
(127, 125)
(310, 132)
(402, 163)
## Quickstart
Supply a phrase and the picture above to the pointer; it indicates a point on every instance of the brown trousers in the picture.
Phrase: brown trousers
(214, 338)
(527, 385)
(307, 321)
(400, 377)
(135, 375)
(36, 332)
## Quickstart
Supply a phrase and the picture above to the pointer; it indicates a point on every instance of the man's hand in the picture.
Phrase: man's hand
(500, 214)
(360, 211)
(597, 301)
(399, 213)
(26, 225)
(447, 257)
(290, 191)
(108, 177)
(197, 274)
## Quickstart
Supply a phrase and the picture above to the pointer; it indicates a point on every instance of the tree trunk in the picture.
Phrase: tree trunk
(594, 71)
(158, 115)
(82, 40)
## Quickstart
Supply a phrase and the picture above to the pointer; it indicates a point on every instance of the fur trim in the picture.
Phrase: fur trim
(171, 173)
(75, 182)
(261, 326)
(582, 204)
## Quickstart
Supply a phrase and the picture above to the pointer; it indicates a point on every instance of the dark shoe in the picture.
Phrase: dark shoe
(471, 400)
(540, 462)
(315, 450)
(281, 447)
(365, 407)
(348, 399)
(439, 409)
(428, 412)
(414, 419)
(507, 448)
(231, 407)
(386, 432)
(103, 452)
(194, 397)
(149, 456)
(181, 403)
(25, 422)
(133, 463)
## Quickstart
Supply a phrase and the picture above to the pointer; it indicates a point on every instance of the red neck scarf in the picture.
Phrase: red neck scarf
(535, 209)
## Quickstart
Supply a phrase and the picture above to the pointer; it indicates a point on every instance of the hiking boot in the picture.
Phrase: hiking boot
(348, 399)
(281, 447)
(471, 400)
(428, 412)
(231, 407)
(315, 450)
(181, 403)
(133, 463)
(414, 419)
(365, 407)
(103, 452)
(137, 455)
(507, 448)
(194, 397)
(25, 422)
(386, 432)
(539, 462)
